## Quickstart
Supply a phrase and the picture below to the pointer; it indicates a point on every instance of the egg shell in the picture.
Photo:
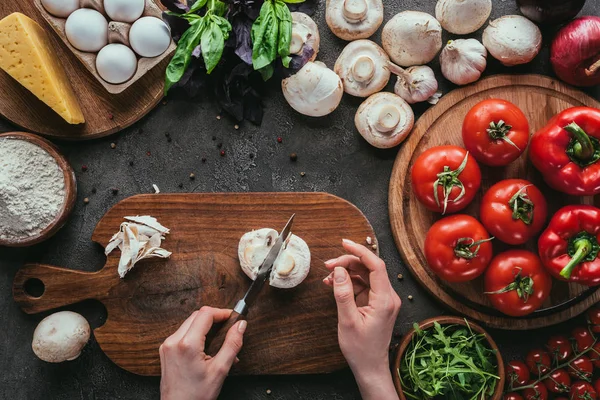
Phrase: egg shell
(124, 10)
(87, 30)
(149, 37)
(116, 63)
(60, 8)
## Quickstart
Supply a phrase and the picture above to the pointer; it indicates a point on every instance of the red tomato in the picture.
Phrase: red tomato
(538, 362)
(512, 396)
(539, 392)
(593, 318)
(559, 348)
(516, 282)
(581, 368)
(514, 211)
(496, 132)
(445, 178)
(559, 381)
(581, 390)
(518, 374)
(583, 339)
(597, 385)
(458, 248)
(594, 355)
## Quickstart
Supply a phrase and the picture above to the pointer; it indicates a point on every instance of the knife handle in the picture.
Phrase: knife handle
(216, 337)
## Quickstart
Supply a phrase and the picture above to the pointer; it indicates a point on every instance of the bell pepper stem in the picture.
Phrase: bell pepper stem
(583, 248)
(584, 149)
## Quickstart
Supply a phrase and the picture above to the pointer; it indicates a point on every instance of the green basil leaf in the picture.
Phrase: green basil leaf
(285, 32)
(294, 1)
(188, 17)
(266, 72)
(181, 60)
(264, 34)
(197, 6)
(213, 41)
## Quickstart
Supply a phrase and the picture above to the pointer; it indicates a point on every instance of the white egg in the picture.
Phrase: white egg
(116, 63)
(87, 30)
(60, 8)
(149, 37)
(124, 10)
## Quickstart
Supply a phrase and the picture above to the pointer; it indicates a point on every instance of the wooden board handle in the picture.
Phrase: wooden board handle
(216, 337)
(39, 287)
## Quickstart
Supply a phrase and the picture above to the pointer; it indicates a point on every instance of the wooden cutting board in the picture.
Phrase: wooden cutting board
(104, 113)
(289, 331)
(540, 98)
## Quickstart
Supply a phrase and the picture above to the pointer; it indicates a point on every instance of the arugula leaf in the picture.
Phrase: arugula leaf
(285, 31)
(181, 60)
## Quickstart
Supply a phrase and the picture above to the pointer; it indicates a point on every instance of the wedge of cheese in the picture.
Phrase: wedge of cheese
(27, 55)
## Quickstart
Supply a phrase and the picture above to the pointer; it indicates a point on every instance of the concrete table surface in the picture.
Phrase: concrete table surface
(330, 151)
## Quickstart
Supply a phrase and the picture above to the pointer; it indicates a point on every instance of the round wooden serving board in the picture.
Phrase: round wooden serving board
(104, 113)
(540, 98)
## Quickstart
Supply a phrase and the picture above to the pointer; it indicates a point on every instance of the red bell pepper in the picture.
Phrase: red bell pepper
(567, 151)
(569, 246)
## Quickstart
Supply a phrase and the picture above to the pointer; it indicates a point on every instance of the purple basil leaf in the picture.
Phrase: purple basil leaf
(175, 6)
(251, 8)
(242, 25)
(307, 7)
(296, 63)
(197, 52)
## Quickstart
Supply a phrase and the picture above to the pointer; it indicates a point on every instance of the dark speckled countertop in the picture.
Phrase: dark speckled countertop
(333, 155)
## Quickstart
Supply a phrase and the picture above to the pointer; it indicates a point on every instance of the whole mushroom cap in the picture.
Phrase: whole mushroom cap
(305, 32)
(512, 40)
(315, 90)
(412, 38)
(384, 120)
(363, 68)
(354, 19)
(60, 337)
(462, 16)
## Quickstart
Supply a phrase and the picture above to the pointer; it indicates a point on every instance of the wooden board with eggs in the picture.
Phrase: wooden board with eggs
(118, 41)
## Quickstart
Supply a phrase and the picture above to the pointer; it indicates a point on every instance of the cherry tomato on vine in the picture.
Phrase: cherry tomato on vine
(512, 396)
(458, 248)
(559, 381)
(594, 355)
(581, 368)
(538, 362)
(581, 390)
(445, 178)
(538, 392)
(518, 373)
(513, 211)
(583, 339)
(559, 347)
(496, 132)
(597, 385)
(517, 283)
(593, 319)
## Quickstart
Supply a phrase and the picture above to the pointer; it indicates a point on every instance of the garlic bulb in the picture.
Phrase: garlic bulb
(416, 84)
(463, 61)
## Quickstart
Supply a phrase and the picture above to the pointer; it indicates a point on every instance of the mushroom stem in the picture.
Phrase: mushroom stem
(388, 119)
(297, 43)
(363, 69)
(593, 68)
(355, 10)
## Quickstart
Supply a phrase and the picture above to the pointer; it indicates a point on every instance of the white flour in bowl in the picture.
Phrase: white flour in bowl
(32, 189)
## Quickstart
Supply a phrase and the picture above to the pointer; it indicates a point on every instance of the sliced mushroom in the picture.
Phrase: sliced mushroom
(60, 337)
(354, 19)
(363, 68)
(315, 90)
(305, 33)
(384, 120)
(292, 264)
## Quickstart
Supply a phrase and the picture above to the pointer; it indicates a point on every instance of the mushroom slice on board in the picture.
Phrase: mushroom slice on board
(291, 266)
(305, 33)
(315, 90)
(384, 120)
(60, 337)
(363, 68)
(354, 19)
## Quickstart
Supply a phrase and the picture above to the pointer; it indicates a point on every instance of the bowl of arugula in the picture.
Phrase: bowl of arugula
(448, 358)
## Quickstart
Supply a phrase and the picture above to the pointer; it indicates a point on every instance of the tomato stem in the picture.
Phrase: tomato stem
(522, 206)
(499, 131)
(582, 149)
(523, 286)
(463, 248)
(448, 180)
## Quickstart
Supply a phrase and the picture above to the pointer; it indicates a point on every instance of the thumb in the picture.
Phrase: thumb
(344, 295)
(232, 345)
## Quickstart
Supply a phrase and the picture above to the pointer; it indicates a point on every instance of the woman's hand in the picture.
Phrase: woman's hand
(188, 373)
(367, 310)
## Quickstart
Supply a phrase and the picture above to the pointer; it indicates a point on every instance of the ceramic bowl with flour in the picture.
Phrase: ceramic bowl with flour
(37, 189)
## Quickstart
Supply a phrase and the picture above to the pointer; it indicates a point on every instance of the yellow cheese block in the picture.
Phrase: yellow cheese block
(27, 55)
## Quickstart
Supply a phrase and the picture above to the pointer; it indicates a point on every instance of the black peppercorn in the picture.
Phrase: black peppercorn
(293, 156)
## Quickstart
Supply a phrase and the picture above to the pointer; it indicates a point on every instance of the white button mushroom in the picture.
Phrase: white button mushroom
(384, 120)
(305, 33)
(463, 61)
(293, 262)
(60, 337)
(354, 19)
(87, 30)
(512, 40)
(412, 38)
(60, 8)
(315, 90)
(124, 10)
(462, 16)
(149, 37)
(116, 63)
(363, 68)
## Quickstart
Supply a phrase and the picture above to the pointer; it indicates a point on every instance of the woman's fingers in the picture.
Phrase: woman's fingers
(195, 336)
(378, 277)
(351, 263)
(183, 328)
(343, 292)
(232, 345)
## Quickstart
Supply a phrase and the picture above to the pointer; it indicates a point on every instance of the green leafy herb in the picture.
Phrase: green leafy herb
(449, 362)
(284, 16)
(271, 36)
(181, 60)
